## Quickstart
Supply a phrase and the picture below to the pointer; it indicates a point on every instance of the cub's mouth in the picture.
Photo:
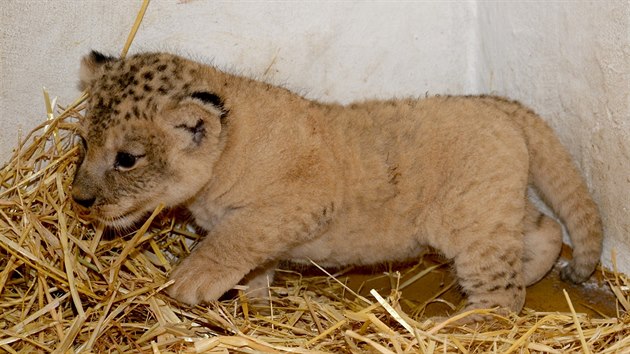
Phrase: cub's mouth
(122, 221)
(116, 217)
(122, 215)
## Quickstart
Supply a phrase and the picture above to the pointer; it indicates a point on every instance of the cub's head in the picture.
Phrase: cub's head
(151, 134)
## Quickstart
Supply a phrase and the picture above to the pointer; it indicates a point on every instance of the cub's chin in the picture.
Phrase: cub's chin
(123, 221)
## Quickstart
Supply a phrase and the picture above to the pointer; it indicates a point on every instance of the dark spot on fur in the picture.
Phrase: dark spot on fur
(539, 220)
(499, 275)
(161, 67)
(394, 175)
(147, 88)
(511, 262)
(494, 288)
(477, 285)
(486, 268)
(148, 76)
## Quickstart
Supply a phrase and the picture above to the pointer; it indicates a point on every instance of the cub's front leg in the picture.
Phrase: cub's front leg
(241, 242)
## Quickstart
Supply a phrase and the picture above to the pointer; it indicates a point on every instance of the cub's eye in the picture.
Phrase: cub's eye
(125, 161)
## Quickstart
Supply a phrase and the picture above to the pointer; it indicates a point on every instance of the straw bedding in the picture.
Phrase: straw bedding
(69, 286)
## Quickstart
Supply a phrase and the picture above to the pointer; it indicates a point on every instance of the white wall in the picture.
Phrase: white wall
(568, 60)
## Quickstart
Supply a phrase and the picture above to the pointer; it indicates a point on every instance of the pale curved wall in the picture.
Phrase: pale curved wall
(569, 60)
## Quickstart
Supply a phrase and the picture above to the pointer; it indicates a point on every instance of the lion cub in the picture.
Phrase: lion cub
(273, 176)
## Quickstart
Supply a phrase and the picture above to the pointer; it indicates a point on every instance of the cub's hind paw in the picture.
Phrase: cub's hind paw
(570, 274)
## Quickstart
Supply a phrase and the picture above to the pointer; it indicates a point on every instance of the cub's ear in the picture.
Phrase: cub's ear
(92, 67)
(212, 102)
(200, 115)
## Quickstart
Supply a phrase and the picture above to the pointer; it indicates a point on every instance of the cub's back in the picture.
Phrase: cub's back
(426, 142)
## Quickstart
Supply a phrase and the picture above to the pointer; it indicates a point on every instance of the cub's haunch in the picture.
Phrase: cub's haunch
(273, 176)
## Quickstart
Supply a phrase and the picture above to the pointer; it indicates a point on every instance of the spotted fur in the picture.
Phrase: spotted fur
(271, 175)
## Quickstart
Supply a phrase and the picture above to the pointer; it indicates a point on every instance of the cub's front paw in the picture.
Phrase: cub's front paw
(196, 282)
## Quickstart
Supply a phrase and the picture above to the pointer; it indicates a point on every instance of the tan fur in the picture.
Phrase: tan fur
(272, 176)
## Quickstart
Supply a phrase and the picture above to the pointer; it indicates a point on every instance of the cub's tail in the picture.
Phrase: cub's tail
(562, 187)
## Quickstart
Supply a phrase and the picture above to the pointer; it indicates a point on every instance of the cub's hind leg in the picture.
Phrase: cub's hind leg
(259, 280)
(542, 244)
(485, 241)
(490, 269)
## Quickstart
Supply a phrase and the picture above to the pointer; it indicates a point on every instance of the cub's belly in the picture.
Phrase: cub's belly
(361, 243)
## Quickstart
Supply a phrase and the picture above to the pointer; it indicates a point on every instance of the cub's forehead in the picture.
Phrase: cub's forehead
(137, 88)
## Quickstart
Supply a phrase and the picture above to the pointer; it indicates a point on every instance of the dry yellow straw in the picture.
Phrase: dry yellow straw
(577, 323)
(134, 29)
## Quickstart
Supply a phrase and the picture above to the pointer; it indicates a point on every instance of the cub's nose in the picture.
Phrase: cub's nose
(82, 189)
(84, 202)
